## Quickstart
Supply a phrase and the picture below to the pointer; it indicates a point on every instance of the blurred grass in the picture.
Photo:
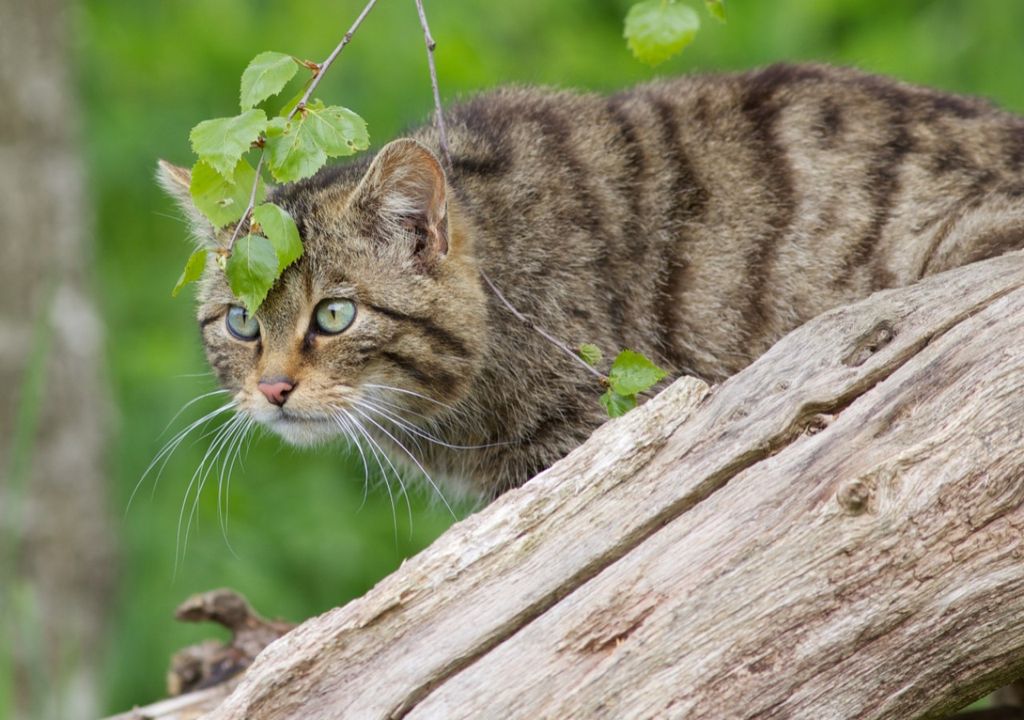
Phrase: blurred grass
(149, 70)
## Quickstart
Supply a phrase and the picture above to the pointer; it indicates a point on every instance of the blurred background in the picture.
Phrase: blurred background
(98, 358)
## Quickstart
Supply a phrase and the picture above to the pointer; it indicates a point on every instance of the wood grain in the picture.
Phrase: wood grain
(835, 532)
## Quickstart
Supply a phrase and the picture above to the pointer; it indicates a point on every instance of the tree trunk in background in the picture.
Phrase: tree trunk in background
(55, 550)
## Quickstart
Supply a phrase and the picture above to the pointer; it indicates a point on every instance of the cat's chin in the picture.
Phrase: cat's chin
(302, 432)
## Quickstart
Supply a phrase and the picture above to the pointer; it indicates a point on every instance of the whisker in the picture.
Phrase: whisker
(344, 423)
(184, 376)
(200, 474)
(412, 429)
(377, 452)
(164, 455)
(411, 457)
(189, 404)
(414, 394)
(234, 447)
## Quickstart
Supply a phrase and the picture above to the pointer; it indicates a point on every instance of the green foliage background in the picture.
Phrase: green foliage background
(303, 539)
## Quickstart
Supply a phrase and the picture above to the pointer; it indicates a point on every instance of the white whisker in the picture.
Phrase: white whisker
(411, 457)
(200, 475)
(164, 455)
(341, 419)
(234, 447)
(414, 394)
(189, 404)
(412, 429)
(377, 453)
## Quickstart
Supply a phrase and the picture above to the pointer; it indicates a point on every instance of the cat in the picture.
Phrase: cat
(695, 220)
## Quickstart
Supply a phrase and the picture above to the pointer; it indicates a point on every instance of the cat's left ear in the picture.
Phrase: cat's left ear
(175, 181)
(405, 189)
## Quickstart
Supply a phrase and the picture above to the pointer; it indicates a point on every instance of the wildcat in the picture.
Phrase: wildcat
(695, 220)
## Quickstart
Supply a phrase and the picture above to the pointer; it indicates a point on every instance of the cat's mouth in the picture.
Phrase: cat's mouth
(300, 429)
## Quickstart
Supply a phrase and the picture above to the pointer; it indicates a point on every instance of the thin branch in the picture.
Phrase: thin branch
(438, 114)
(318, 75)
(541, 331)
(330, 59)
(252, 202)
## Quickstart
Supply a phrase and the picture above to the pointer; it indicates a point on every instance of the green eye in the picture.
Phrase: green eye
(241, 324)
(334, 316)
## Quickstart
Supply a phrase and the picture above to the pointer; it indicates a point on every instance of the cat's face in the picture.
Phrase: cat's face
(381, 318)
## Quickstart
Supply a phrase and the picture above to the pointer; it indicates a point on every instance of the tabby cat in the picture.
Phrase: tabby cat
(695, 220)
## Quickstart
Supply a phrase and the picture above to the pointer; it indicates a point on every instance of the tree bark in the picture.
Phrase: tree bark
(55, 552)
(835, 532)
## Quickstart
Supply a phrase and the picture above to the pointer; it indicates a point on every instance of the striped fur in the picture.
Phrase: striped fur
(696, 220)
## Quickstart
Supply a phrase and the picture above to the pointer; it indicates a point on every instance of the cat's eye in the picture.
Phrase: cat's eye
(334, 316)
(241, 324)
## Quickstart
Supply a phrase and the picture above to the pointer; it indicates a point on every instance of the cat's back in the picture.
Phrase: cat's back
(701, 217)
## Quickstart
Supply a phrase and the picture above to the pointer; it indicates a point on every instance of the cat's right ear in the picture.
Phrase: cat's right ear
(405, 189)
(175, 181)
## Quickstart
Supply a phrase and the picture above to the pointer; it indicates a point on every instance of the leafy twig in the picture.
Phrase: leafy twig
(318, 74)
(439, 115)
(541, 331)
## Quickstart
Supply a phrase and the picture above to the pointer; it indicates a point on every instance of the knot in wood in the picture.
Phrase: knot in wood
(869, 343)
(817, 423)
(855, 496)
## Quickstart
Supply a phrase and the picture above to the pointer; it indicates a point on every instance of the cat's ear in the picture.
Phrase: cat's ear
(175, 181)
(405, 189)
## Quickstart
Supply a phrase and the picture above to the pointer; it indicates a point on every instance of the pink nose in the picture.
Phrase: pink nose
(276, 390)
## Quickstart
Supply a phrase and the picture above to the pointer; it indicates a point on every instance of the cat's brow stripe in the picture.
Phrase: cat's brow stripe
(428, 326)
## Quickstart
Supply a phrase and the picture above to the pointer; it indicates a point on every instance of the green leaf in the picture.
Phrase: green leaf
(617, 405)
(277, 127)
(286, 110)
(658, 29)
(279, 227)
(632, 373)
(252, 270)
(298, 148)
(591, 354)
(266, 76)
(293, 154)
(224, 201)
(223, 141)
(717, 9)
(337, 130)
(192, 272)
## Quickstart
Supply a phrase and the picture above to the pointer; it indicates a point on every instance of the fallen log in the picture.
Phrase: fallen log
(835, 532)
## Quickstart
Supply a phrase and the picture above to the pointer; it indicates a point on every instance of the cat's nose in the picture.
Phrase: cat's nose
(276, 390)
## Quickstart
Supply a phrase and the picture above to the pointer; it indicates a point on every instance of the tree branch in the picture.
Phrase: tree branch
(542, 332)
(836, 531)
(438, 114)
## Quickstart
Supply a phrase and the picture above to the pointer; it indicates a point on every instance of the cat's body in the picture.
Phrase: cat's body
(695, 220)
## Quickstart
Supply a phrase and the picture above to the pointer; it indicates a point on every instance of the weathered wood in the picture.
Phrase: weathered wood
(185, 707)
(836, 532)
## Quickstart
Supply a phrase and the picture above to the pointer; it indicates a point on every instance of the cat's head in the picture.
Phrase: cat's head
(383, 315)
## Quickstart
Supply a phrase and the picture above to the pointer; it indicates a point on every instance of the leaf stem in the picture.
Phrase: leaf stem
(318, 75)
(438, 114)
(541, 331)
(252, 202)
